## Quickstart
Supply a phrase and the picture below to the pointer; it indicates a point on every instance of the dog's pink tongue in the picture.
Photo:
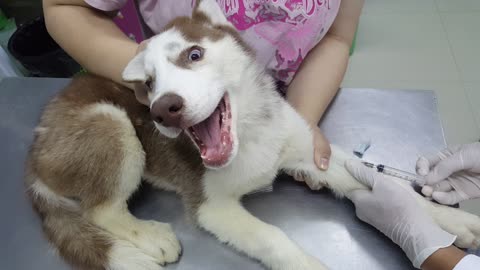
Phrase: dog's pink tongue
(208, 132)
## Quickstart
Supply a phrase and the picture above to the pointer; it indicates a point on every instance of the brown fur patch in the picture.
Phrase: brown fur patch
(234, 33)
(179, 164)
(200, 17)
(199, 27)
(194, 31)
(65, 162)
(66, 155)
(78, 241)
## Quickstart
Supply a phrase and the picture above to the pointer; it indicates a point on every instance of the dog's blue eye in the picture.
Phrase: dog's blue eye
(195, 54)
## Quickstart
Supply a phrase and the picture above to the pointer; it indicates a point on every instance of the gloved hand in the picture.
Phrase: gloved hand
(452, 175)
(393, 210)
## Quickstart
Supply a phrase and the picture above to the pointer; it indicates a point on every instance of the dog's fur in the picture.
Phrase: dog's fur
(95, 142)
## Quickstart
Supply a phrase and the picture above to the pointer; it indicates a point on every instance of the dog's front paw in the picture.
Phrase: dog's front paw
(464, 225)
(157, 240)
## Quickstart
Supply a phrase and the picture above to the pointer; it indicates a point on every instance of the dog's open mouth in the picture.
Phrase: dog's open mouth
(213, 135)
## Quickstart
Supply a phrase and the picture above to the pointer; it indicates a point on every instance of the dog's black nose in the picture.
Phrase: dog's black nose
(167, 110)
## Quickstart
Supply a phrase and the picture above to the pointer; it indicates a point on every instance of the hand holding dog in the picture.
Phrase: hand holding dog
(322, 149)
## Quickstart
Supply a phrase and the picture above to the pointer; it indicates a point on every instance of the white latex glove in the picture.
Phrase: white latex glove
(393, 210)
(452, 175)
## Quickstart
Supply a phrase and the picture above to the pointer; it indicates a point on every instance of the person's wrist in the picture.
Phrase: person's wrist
(311, 120)
(309, 116)
(444, 258)
(432, 240)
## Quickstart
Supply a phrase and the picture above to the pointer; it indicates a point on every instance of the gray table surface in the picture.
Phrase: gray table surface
(400, 125)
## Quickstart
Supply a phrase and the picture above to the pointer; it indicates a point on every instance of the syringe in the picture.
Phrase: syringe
(414, 178)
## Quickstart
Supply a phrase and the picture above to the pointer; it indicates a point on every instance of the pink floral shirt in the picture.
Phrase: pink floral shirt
(281, 32)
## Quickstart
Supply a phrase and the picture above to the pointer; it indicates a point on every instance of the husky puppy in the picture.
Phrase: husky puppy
(215, 129)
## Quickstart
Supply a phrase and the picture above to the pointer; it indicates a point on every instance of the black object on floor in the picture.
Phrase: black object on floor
(32, 46)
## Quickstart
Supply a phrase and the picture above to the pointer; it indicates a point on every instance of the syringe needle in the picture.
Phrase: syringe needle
(387, 170)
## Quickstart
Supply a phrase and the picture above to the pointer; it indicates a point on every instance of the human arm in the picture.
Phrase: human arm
(444, 259)
(451, 258)
(319, 77)
(90, 37)
(453, 174)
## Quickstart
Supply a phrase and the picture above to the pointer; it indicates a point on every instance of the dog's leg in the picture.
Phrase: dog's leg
(233, 225)
(154, 238)
(299, 160)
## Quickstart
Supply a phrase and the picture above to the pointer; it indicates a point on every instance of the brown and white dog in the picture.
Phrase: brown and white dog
(232, 134)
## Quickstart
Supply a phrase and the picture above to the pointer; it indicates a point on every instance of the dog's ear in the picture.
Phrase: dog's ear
(135, 70)
(141, 93)
(135, 73)
(209, 10)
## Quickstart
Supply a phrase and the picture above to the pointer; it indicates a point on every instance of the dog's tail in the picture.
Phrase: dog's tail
(79, 241)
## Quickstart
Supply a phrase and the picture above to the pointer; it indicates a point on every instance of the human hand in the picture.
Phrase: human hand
(321, 148)
(393, 210)
(452, 175)
(321, 154)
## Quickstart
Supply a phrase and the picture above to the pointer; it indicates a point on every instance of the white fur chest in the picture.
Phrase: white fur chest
(255, 166)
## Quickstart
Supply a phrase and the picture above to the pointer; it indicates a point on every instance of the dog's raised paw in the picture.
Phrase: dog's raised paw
(464, 225)
(158, 240)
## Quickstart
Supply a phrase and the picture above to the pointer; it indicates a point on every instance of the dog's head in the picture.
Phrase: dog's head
(190, 74)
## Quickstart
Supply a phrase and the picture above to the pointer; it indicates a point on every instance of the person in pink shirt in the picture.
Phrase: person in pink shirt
(305, 44)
